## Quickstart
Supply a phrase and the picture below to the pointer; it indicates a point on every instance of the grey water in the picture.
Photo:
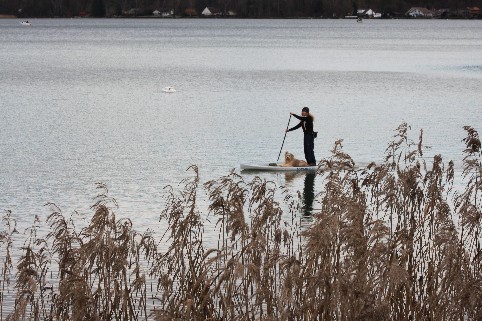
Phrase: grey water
(81, 100)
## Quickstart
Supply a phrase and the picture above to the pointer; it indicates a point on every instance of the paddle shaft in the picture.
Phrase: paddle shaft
(287, 126)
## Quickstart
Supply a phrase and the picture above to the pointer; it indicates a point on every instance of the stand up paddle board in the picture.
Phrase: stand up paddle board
(276, 168)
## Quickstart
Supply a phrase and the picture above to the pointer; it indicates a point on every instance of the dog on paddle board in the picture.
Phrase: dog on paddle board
(291, 161)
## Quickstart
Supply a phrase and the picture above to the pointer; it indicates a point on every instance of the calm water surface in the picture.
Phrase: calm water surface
(81, 100)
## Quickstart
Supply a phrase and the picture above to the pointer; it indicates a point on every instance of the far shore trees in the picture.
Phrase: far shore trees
(98, 8)
(242, 8)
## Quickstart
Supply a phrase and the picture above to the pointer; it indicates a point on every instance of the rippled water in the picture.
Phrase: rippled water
(81, 100)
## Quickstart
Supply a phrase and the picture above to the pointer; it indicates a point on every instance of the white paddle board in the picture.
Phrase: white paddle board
(267, 167)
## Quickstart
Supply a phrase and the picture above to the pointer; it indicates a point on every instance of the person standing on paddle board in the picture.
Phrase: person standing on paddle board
(306, 123)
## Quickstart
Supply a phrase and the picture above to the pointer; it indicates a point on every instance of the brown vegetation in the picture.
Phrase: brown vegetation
(391, 242)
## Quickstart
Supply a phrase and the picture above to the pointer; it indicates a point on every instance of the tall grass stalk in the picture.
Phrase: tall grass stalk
(392, 241)
(6, 241)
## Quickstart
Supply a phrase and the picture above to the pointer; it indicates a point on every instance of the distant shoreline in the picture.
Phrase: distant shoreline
(238, 18)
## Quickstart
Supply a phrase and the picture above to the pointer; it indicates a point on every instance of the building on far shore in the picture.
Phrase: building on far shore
(211, 11)
(365, 14)
(473, 12)
(419, 12)
(167, 13)
(164, 12)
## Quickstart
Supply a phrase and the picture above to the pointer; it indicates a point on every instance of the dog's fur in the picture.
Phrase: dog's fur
(291, 161)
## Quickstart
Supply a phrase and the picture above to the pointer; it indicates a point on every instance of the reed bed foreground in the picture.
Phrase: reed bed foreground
(392, 241)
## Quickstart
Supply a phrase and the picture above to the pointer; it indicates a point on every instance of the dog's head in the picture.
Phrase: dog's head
(289, 157)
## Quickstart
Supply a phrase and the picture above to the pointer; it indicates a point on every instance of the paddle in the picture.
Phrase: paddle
(287, 126)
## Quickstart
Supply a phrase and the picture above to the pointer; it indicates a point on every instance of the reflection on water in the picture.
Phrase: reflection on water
(290, 176)
(308, 193)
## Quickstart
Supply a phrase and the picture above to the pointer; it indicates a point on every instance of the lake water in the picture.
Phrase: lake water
(81, 100)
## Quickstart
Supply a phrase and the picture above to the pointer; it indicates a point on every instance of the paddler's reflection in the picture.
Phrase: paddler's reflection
(308, 193)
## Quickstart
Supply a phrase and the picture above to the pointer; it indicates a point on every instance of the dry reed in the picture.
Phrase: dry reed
(392, 241)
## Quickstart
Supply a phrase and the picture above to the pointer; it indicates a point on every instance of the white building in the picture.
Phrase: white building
(365, 13)
(211, 11)
(167, 13)
(419, 12)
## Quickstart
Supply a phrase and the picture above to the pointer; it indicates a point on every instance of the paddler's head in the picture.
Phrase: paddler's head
(305, 111)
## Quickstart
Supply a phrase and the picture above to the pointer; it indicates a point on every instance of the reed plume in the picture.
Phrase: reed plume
(396, 240)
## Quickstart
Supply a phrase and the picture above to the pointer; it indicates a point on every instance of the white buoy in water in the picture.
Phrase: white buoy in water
(169, 89)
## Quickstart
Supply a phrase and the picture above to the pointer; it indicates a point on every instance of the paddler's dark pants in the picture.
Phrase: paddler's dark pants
(309, 143)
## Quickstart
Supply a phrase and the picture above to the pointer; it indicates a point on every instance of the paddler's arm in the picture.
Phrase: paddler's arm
(299, 117)
(294, 128)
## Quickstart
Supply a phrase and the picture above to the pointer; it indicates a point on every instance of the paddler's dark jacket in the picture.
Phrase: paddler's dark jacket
(305, 122)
